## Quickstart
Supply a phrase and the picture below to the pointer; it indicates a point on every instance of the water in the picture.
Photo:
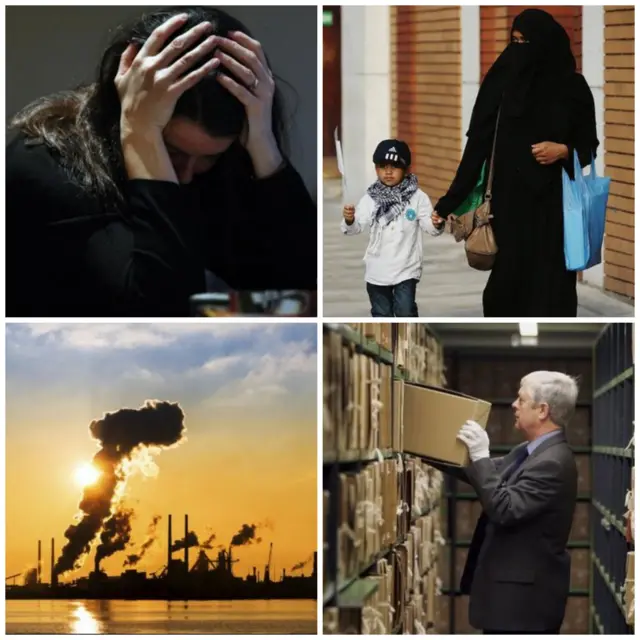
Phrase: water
(157, 617)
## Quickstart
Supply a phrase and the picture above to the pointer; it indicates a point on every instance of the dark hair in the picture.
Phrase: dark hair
(83, 125)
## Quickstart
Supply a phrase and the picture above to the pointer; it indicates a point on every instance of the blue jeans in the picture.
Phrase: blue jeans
(397, 300)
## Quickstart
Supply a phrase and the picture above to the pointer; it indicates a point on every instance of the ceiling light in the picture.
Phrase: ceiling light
(529, 329)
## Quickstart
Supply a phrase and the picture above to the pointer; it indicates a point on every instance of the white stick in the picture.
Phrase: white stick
(341, 169)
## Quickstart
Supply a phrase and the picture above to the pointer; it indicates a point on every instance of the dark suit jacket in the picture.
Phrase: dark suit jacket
(518, 568)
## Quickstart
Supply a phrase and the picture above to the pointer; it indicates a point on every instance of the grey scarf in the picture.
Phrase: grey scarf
(390, 201)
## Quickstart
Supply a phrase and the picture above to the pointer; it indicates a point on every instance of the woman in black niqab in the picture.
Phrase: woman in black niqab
(546, 112)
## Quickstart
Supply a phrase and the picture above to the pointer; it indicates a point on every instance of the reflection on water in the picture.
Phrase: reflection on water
(161, 617)
(82, 621)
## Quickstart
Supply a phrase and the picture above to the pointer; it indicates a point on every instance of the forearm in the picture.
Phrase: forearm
(266, 158)
(146, 156)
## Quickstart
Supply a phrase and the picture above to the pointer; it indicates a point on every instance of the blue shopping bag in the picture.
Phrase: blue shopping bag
(584, 201)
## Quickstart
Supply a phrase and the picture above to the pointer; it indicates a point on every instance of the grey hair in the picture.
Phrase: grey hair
(557, 390)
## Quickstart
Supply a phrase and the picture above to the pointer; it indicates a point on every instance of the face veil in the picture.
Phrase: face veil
(524, 74)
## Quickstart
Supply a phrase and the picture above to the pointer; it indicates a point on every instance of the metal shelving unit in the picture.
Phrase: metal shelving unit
(612, 460)
(353, 591)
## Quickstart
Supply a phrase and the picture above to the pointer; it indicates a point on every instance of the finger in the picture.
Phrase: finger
(246, 56)
(192, 79)
(156, 41)
(180, 44)
(464, 439)
(239, 71)
(126, 59)
(252, 45)
(180, 66)
(242, 93)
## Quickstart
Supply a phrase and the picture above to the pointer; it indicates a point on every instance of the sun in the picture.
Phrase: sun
(86, 475)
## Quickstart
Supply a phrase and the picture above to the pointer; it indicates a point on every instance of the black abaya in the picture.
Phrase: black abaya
(543, 100)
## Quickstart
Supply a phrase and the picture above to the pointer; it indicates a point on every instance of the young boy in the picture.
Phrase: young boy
(395, 211)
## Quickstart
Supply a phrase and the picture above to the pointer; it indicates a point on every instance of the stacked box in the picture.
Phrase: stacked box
(629, 589)
(367, 521)
(358, 416)
(576, 617)
(630, 509)
(421, 355)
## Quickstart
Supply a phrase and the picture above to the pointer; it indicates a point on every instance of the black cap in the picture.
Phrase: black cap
(394, 152)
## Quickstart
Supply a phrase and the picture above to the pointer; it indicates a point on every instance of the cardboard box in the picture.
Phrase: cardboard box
(432, 419)
(583, 462)
(629, 589)
(580, 529)
(576, 617)
(580, 566)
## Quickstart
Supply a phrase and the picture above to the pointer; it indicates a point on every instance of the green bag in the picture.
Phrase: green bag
(475, 198)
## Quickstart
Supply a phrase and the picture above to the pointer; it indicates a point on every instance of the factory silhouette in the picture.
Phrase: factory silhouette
(204, 579)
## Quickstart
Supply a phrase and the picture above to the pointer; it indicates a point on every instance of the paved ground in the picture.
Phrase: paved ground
(449, 288)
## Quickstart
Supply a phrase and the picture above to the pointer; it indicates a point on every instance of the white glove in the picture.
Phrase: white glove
(476, 439)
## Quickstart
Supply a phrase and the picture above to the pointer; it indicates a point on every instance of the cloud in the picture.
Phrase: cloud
(132, 336)
(144, 375)
(269, 376)
(218, 365)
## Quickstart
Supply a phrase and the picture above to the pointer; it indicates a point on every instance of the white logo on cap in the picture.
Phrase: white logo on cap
(393, 149)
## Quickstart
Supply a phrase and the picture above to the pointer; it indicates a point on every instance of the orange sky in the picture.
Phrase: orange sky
(250, 454)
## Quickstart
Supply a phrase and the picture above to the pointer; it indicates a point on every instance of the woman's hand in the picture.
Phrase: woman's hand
(244, 58)
(150, 81)
(549, 152)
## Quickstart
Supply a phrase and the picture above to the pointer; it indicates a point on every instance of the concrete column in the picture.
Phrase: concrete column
(593, 71)
(470, 25)
(366, 92)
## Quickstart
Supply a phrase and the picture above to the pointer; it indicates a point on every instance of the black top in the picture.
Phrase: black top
(70, 256)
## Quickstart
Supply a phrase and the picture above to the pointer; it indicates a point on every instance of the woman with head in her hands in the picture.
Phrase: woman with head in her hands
(123, 195)
(546, 112)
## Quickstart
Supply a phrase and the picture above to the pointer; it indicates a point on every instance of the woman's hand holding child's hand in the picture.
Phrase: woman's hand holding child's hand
(437, 220)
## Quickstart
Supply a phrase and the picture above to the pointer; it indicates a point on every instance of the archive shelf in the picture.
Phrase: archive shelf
(613, 457)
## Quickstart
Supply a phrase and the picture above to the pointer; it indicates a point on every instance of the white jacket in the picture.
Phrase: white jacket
(394, 253)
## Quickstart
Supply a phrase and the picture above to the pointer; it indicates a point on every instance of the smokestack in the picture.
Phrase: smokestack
(39, 560)
(169, 548)
(283, 574)
(254, 574)
(96, 564)
(186, 545)
(54, 578)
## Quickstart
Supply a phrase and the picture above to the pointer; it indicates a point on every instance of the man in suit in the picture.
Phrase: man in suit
(518, 569)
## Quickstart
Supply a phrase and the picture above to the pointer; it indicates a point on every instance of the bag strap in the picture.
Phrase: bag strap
(487, 193)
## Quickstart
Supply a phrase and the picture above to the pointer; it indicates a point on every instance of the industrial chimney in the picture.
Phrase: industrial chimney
(54, 577)
(169, 548)
(186, 543)
(39, 561)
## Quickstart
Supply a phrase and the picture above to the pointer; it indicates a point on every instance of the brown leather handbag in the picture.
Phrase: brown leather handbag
(475, 227)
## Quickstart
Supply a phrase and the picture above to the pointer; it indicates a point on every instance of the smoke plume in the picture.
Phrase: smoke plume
(30, 576)
(191, 541)
(208, 543)
(116, 534)
(301, 565)
(134, 558)
(122, 436)
(246, 535)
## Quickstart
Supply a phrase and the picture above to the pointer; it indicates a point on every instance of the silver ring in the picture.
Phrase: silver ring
(255, 84)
